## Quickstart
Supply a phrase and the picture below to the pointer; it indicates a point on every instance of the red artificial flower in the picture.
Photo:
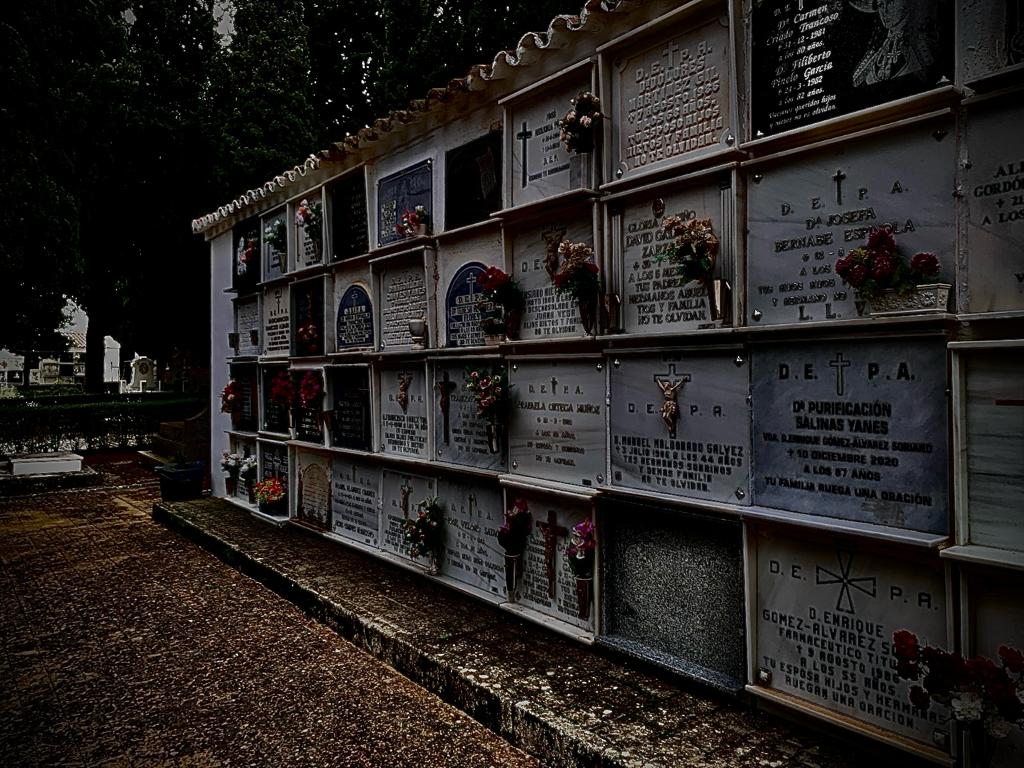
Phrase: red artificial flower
(883, 266)
(858, 274)
(924, 264)
(905, 644)
(1012, 658)
(919, 697)
(591, 267)
(881, 239)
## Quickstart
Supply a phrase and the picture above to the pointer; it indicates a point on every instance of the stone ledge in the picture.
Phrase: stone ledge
(20, 485)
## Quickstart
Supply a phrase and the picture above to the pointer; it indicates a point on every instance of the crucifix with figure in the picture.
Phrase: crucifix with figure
(445, 387)
(670, 384)
(552, 531)
(524, 136)
(405, 491)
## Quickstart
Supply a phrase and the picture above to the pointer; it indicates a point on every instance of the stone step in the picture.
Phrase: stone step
(172, 430)
(166, 447)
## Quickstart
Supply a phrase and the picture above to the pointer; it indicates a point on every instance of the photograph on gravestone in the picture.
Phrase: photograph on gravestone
(355, 319)
(355, 501)
(404, 402)
(825, 616)
(308, 318)
(855, 430)
(672, 591)
(556, 429)
(313, 495)
(820, 59)
(402, 299)
(349, 233)
(350, 423)
(247, 326)
(473, 181)
(400, 495)
(541, 165)
(461, 307)
(461, 434)
(401, 193)
(993, 435)
(245, 273)
(276, 334)
(472, 555)
(547, 584)
(275, 245)
(990, 38)
(274, 461)
(278, 399)
(995, 206)
(805, 214)
(548, 314)
(680, 424)
(660, 293)
(672, 99)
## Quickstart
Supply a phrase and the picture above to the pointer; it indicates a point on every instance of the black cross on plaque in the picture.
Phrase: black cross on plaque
(840, 364)
(838, 177)
(551, 530)
(554, 383)
(844, 602)
(524, 136)
(445, 387)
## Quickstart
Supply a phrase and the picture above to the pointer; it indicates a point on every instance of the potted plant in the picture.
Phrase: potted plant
(490, 391)
(271, 497)
(282, 397)
(414, 223)
(310, 217)
(230, 464)
(577, 127)
(424, 534)
(501, 291)
(580, 557)
(693, 248)
(231, 400)
(246, 473)
(513, 536)
(579, 277)
(882, 276)
(181, 480)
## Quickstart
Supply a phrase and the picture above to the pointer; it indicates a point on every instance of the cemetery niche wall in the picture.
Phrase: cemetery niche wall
(750, 334)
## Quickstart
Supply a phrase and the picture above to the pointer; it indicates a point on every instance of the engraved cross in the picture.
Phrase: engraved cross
(551, 530)
(838, 177)
(840, 364)
(445, 387)
(524, 136)
(554, 384)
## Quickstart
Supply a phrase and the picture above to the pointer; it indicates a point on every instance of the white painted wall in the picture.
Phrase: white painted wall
(221, 323)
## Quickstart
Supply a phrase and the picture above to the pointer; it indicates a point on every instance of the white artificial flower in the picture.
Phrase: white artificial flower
(997, 727)
(968, 707)
(585, 121)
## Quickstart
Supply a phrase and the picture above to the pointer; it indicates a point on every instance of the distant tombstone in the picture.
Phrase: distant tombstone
(672, 99)
(460, 434)
(355, 501)
(825, 616)
(557, 427)
(401, 192)
(680, 424)
(275, 262)
(400, 495)
(49, 373)
(403, 411)
(990, 36)
(854, 430)
(403, 297)
(355, 319)
(348, 216)
(804, 215)
(995, 206)
(548, 314)
(308, 333)
(461, 314)
(313, 500)
(274, 461)
(11, 366)
(815, 61)
(247, 325)
(350, 424)
(143, 373)
(276, 324)
(652, 612)
(472, 555)
(473, 181)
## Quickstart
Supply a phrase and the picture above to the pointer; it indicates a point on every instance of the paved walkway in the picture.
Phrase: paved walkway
(123, 644)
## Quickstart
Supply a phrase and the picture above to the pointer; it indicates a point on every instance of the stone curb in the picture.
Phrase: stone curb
(28, 484)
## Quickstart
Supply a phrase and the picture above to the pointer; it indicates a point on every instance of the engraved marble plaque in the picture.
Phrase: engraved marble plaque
(472, 554)
(313, 499)
(274, 462)
(854, 430)
(244, 448)
(655, 297)
(540, 164)
(247, 319)
(557, 424)
(355, 501)
(461, 314)
(819, 59)
(401, 192)
(403, 297)
(680, 424)
(535, 254)
(355, 319)
(275, 416)
(246, 419)
(825, 617)
(348, 216)
(547, 585)
(403, 411)
(990, 36)
(473, 180)
(308, 336)
(276, 336)
(806, 214)
(672, 99)
(460, 435)
(350, 422)
(275, 262)
(400, 493)
(245, 273)
(995, 206)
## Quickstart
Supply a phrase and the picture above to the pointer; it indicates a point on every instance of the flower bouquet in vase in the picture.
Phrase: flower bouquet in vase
(580, 557)
(424, 534)
(513, 536)
(310, 216)
(414, 223)
(230, 464)
(579, 277)
(231, 400)
(693, 248)
(578, 126)
(246, 473)
(490, 391)
(271, 497)
(499, 290)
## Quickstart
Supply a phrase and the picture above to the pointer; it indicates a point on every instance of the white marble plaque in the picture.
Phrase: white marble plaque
(313, 501)
(460, 435)
(656, 299)
(854, 430)
(400, 493)
(403, 411)
(680, 424)
(276, 336)
(804, 215)
(672, 99)
(990, 36)
(355, 501)
(995, 206)
(473, 556)
(557, 424)
(247, 319)
(826, 614)
(274, 462)
(403, 298)
(535, 255)
(275, 263)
